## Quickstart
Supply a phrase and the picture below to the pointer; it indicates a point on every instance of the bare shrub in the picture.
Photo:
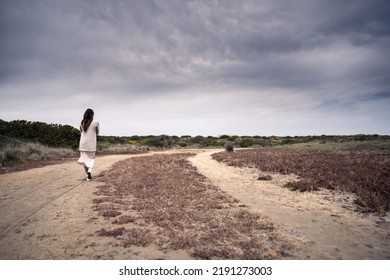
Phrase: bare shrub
(114, 232)
(229, 146)
(10, 154)
(124, 220)
(264, 178)
(138, 237)
(249, 221)
(301, 186)
(110, 213)
(207, 252)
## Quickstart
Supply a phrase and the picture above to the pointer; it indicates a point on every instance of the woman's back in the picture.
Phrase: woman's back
(88, 138)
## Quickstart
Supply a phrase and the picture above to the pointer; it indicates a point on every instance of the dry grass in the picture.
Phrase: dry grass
(18, 155)
(164, 201)
(14, 152)
(363, 172)
(111, 149)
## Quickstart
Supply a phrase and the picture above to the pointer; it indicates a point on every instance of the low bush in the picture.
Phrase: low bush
(229, 147)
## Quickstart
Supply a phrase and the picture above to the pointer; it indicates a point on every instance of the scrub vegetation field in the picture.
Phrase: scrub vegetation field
(364, 172)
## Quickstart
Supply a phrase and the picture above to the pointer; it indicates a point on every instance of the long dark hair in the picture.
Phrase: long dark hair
(87, 120)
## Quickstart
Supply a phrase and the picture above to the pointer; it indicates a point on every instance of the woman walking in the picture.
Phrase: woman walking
(89, 130)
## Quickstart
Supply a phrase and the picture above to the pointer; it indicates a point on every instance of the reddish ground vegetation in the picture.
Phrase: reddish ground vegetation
(124, 220)
(110, 213)
(365, 173)
(164, 201)
(114, 232)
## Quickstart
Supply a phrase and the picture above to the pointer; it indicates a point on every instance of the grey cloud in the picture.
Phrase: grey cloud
(358, 17)
(144, 39)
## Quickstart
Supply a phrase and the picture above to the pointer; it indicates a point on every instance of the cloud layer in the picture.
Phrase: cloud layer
(199, 67)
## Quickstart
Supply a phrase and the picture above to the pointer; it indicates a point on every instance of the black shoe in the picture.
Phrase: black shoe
(89, 178)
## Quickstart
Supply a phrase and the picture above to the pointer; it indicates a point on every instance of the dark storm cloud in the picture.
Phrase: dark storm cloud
(309, 52)
(175, 37)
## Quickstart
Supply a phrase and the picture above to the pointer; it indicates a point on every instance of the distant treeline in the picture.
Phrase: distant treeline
(53, 135)
(238, 141)
(56, 135)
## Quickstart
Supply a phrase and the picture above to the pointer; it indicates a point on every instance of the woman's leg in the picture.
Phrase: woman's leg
(91, 163)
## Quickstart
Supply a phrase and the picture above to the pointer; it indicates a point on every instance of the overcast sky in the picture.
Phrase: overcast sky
(202, 67)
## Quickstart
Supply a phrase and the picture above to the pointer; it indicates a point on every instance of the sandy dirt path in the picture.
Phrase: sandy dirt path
(323, 220)
(46, 213)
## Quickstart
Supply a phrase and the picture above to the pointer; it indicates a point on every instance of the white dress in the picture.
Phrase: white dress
(87, 145)
(87, 159)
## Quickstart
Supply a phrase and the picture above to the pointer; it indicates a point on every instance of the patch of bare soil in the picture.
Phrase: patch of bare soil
(326, 221)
